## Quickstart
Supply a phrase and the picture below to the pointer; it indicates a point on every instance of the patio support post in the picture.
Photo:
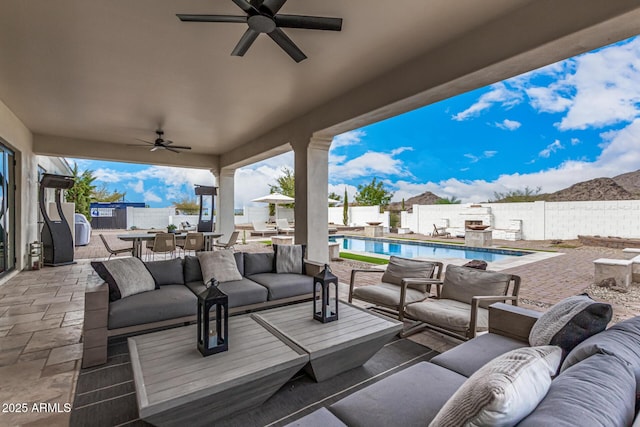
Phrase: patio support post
(311, 209)
(225, 219)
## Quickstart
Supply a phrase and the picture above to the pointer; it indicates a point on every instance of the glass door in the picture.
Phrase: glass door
(7, 210)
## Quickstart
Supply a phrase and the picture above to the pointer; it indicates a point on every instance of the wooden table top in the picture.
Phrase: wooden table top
(150, 236)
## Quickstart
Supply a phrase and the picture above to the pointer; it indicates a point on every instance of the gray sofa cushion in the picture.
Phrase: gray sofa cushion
(258, 263)
(166, 272)
(240, 292)
(411, 397)
(403, 268)
(483, 349)
(570, 321)
(193, 272)
(599, 391)
(387, 294)
(168, 302)
(320, 418)
(284, 285)
(463, 283)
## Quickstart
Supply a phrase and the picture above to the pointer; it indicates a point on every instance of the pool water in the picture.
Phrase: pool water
(422, 249)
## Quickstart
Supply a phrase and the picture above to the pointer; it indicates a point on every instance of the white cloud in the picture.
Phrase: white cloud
(352, 137)
(371, 163)
(575, 141)
(507, 124)
(551, 148)
(499, 94)
(487, 154)
(150, 196)
(137, 187)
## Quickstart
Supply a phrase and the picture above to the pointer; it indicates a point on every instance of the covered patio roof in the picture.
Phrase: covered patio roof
(88, 78)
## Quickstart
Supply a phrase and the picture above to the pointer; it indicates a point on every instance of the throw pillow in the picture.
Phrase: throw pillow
(219, 265)
(125, 277)
(570, 321)
(166, 272)
(401, 268)
(503, 391)
(289, 258)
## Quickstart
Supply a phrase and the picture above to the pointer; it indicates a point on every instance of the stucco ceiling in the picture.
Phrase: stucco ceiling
(114, 70)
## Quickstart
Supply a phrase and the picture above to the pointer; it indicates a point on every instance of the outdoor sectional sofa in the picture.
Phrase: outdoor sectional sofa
(596, 385)
(174, 302)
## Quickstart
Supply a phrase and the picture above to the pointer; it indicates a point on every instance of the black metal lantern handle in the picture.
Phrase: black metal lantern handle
(213, 282)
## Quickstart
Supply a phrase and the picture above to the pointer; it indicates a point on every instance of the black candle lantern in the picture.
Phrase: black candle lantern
(325, 301)
(213, 333)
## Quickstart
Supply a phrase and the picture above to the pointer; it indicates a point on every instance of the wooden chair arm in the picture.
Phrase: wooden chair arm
(352, 281)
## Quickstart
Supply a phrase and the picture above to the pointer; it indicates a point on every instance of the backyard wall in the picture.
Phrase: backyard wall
(539, 220)
(147, 218)
(359, 215)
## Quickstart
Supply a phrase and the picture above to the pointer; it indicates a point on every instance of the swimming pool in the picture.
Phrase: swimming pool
(415, 249)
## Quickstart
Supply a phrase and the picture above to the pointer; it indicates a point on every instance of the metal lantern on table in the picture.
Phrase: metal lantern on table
(213, 320)
(325, 296)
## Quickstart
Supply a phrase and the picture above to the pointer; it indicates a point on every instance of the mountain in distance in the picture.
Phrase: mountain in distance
(622, 187)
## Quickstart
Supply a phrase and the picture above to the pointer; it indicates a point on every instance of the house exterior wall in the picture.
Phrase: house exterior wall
(540, 220)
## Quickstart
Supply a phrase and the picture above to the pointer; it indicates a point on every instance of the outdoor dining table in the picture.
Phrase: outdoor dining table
(138, 238)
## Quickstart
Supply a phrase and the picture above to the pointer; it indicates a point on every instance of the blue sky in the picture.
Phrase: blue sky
(568, 122)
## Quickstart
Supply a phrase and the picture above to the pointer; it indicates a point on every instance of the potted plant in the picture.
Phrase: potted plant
(171, 228)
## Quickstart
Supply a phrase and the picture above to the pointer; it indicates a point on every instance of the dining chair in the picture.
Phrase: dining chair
(164, 243)
(191, 242)
(115, 251)
(230, 243)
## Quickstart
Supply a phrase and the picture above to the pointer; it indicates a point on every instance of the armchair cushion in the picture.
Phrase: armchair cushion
(401, 268)
(503, 391)
(387, 294)
(570, 321)
(448, 314)
(463, 283)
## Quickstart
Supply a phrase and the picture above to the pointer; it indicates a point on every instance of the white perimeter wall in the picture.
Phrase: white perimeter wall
(359, 215)
(540, 220)
(147, 218)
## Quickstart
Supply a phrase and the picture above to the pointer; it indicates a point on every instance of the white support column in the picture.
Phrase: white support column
(311, 209)
(225, 212)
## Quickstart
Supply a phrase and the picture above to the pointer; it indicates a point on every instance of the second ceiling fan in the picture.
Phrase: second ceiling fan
(161, 144)
(262, 17)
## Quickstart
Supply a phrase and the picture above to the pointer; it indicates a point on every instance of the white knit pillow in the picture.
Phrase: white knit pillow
(503, 391)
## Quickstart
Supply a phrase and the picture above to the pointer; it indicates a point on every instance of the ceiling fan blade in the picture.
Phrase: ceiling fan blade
(245, 42)
(308, 22)
(274, 5)
(211, 18)
(171, 149)
(142, 140)
(156, 147)
(246, 6)
(138, 145)
(179, 147)
(287, 45)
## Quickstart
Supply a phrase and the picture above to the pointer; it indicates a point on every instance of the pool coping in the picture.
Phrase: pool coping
(503, 264)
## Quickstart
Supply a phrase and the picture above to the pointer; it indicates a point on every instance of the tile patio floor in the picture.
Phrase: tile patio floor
(41, 316)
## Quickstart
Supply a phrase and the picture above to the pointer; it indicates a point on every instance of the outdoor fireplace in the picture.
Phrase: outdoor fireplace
(471, 222)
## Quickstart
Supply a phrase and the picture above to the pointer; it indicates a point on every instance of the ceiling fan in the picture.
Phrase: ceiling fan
(161, 144)
(263, 17)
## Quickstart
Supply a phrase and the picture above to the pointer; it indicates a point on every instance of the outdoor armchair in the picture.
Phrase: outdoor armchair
(440, 232)
(460, 308)
(403, 282)
(117, 251)
(233, 239)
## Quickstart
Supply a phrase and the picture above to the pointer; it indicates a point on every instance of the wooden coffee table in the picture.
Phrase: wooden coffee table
(333, 347)
(177, 386)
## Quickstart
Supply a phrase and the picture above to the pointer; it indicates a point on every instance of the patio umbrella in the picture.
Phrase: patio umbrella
(275, 198)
